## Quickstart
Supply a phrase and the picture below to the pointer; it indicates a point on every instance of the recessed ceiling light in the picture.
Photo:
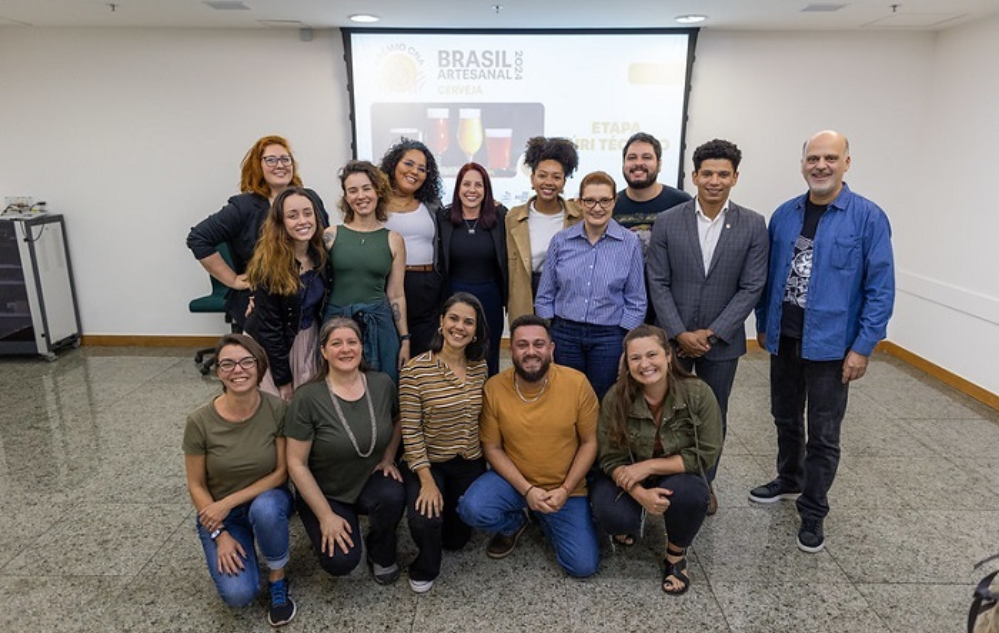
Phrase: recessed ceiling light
(364, 18)
(690, 19)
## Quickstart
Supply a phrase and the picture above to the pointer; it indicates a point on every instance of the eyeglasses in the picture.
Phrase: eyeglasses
(228, 365)
(273, 161)
(603, 203)
(410, 165)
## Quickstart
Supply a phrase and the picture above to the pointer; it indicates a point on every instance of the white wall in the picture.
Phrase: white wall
(136, 135)
(949, 273)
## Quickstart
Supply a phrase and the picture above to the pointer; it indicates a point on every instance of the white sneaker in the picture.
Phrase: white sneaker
(421, 586)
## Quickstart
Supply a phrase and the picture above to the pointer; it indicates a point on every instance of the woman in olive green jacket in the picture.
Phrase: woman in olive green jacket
(659, 431)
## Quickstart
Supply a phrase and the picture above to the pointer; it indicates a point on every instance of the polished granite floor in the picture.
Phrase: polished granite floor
(96, 528)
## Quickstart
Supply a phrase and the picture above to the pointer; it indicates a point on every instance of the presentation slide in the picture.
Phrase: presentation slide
(480, 96)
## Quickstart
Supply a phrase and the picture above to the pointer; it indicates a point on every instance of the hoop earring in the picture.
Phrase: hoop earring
(475, 338)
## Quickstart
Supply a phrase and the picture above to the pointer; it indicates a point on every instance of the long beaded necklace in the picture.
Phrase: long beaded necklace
(343, 418)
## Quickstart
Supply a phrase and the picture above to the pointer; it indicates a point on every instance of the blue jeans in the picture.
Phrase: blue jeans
(493, 505)
(594, 350)
(264, 520)
(719, 374)
(807, 466)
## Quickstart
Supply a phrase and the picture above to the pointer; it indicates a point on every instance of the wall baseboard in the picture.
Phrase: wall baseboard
(128, 340)
(966, 387)
(963, 385)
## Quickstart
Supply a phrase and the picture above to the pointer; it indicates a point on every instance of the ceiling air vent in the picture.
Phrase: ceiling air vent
(227, 5)
(822, 7)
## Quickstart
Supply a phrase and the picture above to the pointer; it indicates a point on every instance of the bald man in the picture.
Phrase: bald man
(828, 298)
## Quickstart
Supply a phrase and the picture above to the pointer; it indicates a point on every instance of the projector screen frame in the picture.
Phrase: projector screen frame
(691, 33)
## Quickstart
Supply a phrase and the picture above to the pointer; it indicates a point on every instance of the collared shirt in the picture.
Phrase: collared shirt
(601, 283)
(851, 290)
(709, 231)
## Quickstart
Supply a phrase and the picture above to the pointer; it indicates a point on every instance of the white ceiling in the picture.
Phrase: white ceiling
(924, 15)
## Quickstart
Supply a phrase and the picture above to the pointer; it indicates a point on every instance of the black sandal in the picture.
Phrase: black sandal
(624, 540)
(677, 570)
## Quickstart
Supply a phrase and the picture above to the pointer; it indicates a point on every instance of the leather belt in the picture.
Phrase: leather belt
(425, 268)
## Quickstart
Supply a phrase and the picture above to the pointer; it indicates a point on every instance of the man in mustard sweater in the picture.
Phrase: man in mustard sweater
(538, 431)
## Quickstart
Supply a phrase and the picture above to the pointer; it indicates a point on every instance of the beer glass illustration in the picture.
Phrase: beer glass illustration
(498, 148)
(439, 134)
(470, 131)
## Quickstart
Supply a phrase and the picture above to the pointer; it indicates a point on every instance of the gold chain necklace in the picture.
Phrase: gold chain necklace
(516, 386)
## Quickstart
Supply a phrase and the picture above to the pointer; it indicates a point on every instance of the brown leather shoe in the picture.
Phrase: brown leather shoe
(501, 546)
(712, 502)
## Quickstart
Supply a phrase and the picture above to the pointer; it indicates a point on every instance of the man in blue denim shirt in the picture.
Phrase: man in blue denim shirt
(829, 295)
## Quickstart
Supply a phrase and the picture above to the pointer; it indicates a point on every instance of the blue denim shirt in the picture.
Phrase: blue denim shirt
(851, 291)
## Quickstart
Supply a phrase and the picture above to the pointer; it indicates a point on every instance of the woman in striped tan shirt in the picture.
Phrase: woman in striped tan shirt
(440, 396)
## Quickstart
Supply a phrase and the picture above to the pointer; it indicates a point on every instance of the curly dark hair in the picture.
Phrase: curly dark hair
(720, 150)
(430, 190)
(560, 150)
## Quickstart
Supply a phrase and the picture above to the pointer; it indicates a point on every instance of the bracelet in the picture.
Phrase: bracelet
(405, 337)
(528, 491)
(218, 532)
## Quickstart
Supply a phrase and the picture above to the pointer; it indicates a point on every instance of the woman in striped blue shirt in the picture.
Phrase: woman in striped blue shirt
(593, 286)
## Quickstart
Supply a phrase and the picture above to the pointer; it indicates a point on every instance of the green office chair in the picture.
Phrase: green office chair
(215, 302)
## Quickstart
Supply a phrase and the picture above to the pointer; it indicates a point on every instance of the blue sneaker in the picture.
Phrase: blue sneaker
(282, 610)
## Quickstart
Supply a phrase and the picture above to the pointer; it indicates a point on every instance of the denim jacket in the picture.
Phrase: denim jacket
(851, 291)
(691, 427)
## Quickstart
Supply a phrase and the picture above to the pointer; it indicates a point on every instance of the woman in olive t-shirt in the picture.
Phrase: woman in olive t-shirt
(343, 434)
(234, 455)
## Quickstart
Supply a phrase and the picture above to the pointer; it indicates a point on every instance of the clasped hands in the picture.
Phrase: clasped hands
(629, 478)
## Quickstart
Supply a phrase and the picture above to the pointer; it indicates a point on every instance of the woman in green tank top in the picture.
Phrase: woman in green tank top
(368, 264)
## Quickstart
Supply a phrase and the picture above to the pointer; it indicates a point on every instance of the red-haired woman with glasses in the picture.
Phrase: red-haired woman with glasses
(593, 286)
(267, 169)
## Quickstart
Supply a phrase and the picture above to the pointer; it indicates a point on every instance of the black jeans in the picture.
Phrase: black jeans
(795, 383)
(382, 499)
(445, 531)
(616, 512)
(424, 296)
(719, 374)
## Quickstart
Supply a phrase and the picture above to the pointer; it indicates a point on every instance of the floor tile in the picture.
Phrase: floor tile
(919, 608)
(806, 605)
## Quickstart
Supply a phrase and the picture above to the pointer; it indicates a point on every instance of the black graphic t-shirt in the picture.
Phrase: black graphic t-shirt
(796, 289)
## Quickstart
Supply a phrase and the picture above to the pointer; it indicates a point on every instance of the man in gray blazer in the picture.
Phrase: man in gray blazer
(707, 265)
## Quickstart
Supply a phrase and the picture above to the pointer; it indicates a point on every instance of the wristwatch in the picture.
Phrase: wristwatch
(219, 530)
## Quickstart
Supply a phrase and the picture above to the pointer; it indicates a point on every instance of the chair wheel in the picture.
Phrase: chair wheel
(204, 369)
(199, 357)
